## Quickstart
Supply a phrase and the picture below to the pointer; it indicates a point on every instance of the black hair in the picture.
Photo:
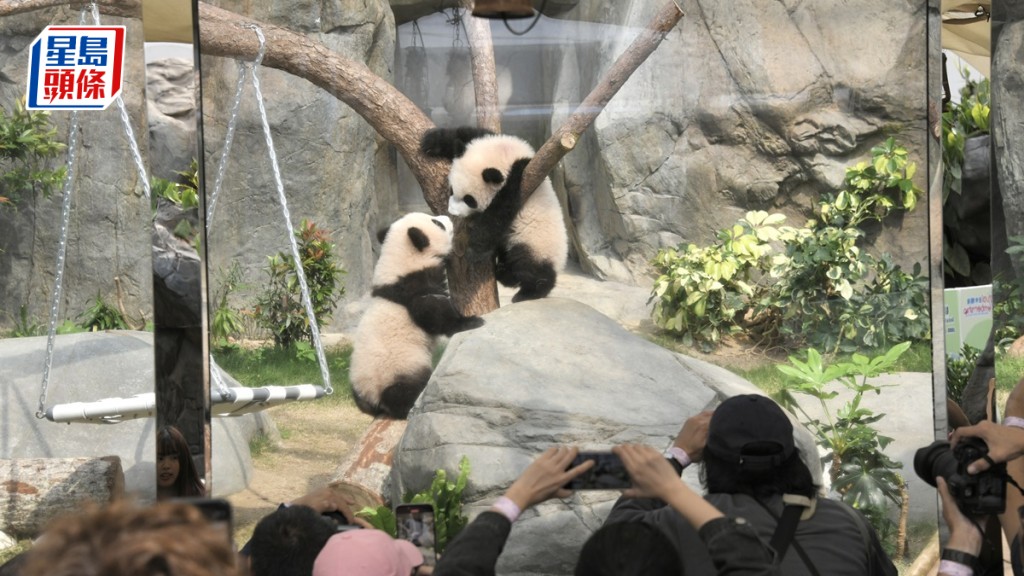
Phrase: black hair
(628, 549)
(792, 476)
(170, 440)
(287, 542)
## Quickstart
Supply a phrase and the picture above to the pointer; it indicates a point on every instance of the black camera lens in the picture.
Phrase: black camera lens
(934, 460)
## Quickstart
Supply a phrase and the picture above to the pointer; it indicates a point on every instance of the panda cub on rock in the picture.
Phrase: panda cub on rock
(409, 308)
(528, 239)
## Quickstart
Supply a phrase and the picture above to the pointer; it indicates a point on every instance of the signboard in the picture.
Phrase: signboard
(75, 68)
(968, 318)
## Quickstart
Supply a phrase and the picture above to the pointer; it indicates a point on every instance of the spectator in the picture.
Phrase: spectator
(122, 539)
(475, 551)
(1005, 444)
(287, 541)
(750, 462)
(369, 552)
(176, 473)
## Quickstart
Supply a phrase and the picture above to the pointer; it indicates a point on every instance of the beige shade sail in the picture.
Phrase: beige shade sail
(167, 20)
(966, 34)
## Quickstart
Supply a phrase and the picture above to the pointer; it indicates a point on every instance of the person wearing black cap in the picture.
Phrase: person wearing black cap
(752, 469)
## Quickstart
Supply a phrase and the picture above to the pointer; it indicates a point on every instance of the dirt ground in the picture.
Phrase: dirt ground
(316, 436)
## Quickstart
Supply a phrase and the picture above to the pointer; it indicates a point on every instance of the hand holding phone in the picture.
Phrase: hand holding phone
(607, 473)
(415, 523)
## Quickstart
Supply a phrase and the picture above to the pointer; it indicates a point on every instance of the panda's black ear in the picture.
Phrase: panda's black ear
(382, 233)
(493, 176)
(418, 238)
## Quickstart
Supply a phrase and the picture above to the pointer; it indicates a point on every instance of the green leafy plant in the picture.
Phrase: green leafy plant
(446, 498)
(811, 285)
(960, 121)
(28, 143)
(184, 193)
(227, 321)
(101, 316)
(279, 308)
(24, 326)
(860, 471)
(958, 371)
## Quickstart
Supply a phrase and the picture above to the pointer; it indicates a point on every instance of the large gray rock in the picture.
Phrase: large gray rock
(89, 367)
(1007, 123)
(546, 372)
(108, 235)
(171, 109)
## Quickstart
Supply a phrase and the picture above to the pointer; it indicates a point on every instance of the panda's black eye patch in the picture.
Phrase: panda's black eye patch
(469, 201)
(493, 176)
(439, 224)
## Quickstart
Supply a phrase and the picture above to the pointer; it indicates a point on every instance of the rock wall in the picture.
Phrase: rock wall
(336, 171)
(108, 235)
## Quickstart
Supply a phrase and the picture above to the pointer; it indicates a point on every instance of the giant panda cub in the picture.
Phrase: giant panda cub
(528, 239)
(409, 308)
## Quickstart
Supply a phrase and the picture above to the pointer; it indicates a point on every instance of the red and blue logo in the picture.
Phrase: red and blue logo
(75, 68)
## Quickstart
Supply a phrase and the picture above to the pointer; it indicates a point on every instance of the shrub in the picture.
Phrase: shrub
(101, 316)
(279, 308)
(27, 144)
(813, 285)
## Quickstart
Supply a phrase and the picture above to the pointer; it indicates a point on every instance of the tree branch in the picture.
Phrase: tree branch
(396, 118)
(123, 8)
(566, 137)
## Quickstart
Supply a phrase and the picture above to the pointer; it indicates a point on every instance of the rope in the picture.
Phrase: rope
(299, 272)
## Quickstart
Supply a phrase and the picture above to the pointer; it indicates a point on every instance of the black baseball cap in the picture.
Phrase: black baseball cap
(752, 432)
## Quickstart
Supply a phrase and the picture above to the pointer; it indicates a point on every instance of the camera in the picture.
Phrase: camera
(976, 494)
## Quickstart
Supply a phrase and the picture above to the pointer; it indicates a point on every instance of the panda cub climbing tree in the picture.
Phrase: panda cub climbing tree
(409, 308)
(528, 239)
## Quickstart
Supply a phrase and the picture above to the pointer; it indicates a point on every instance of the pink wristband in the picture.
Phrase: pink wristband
(507, 508)
(680, 455)
(950, 568)
(1015, 421)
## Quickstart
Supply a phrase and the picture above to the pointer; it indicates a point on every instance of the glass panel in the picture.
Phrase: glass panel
(105, 282)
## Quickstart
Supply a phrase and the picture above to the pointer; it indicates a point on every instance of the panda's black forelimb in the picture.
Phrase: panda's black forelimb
(449, 143)
(424, 294)
(489, 230)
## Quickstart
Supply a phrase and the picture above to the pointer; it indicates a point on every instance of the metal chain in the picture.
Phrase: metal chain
(229, 137)
(299, 272)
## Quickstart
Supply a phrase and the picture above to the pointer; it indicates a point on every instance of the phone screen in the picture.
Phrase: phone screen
(416, 524)
(217, 512)
(608, 473)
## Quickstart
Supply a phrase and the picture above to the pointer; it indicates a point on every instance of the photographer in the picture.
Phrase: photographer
(1005, 444)
(753, 470)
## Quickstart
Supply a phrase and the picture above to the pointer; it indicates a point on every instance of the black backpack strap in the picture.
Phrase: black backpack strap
(785, 528)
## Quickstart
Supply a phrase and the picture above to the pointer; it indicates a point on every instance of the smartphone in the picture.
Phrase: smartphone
(608, 472)
(217, 512)
(415, 523)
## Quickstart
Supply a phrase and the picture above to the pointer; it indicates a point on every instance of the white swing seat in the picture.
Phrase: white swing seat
(234, 401)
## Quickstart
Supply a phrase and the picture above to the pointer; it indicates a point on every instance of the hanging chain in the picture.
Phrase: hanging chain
(62, 248)
(299, 272)
(229, 137)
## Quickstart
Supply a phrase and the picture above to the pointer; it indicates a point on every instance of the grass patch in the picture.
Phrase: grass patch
(13, 551)
(273, 366)
(1009, 371)
(260, 444)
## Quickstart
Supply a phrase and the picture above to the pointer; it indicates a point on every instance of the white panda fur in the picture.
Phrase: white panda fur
(530, 241)
(409, 308)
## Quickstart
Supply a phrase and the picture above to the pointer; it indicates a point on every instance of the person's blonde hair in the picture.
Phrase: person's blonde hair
(124, 539)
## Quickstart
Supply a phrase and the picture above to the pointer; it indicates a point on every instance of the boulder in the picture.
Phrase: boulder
(538, 373)
(93, 366)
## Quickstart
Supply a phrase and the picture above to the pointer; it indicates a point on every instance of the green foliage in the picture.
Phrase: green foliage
(184, 193)
(227, 321)
(797, 286)
(101, 316)
(27, 144)
(1008, 310)
(958, 371)
(446, 498)
(960, 121)
(24, 326)
(860, 471)
(279, 308)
